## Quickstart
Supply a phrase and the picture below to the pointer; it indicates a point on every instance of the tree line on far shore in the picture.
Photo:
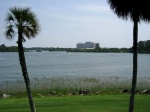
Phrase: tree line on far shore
(4, 48)
(143, 47)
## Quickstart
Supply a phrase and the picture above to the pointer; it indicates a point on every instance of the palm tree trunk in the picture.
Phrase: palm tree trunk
(135, 63)
(25, 73)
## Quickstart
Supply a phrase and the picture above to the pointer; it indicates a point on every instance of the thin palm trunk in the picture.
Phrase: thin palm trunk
(25, 73)
(25, 22)
(136, 10)
(135, 62)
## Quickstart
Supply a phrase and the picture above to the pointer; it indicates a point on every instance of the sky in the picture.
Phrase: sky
(64, 23)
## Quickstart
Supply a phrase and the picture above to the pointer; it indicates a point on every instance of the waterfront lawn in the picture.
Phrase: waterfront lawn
(94, 103)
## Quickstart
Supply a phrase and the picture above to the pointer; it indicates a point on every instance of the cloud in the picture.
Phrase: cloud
(93, 8)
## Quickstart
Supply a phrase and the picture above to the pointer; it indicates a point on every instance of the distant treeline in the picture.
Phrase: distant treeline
(4, 48)
(143, 47)
(46, 49)
(117, 50)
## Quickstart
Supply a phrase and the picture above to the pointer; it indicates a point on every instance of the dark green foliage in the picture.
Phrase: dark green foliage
(4, 48)
(144, 46)
(113, 50)
(129, 8)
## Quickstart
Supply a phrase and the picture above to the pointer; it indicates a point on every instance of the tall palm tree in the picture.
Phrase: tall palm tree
(25, 23)
(136, 10)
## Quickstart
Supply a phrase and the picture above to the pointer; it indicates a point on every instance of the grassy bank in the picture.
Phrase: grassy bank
(72, 85)
(94, 103)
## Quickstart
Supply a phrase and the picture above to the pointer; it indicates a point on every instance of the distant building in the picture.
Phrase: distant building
(87, 45)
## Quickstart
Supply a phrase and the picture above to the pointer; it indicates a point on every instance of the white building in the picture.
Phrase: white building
(87, 45)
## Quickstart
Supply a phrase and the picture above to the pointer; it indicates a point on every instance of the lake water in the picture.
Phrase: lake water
(48, 64)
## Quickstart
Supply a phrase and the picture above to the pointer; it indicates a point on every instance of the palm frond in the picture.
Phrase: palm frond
(30, 22)
(120, 7)
(131, 9)
(145, 10)
(17, 13)
(9, 17)
(9, 33)
(22, 19)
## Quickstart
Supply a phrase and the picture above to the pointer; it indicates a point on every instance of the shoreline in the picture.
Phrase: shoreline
(58, 86)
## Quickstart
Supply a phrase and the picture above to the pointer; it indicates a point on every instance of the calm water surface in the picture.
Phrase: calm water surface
(48, 64)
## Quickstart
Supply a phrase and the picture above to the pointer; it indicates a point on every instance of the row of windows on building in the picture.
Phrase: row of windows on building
(87, 45)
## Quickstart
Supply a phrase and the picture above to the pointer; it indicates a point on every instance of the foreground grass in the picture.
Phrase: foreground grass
(94, 103)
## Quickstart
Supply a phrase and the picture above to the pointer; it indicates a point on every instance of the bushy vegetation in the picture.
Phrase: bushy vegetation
(4, 48)
(144, 46)
(58, 86)
(117, 50)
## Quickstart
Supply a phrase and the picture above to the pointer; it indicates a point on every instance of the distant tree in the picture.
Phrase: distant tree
(147, 46)
(97, 46)
(141, 46)
(136, 10)
(2, 47)
(25, 23)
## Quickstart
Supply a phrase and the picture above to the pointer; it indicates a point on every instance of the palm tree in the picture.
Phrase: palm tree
(25, 23)
(136, 10)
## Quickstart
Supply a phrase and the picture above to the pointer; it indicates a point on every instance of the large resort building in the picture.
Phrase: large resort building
(87, 45)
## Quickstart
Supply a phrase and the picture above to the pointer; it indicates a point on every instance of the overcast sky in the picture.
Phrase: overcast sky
(64, 23)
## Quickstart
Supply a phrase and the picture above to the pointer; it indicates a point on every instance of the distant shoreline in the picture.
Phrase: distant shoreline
(4, 48)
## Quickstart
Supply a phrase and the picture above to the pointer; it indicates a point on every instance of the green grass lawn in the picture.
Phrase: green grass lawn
(94, 103)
